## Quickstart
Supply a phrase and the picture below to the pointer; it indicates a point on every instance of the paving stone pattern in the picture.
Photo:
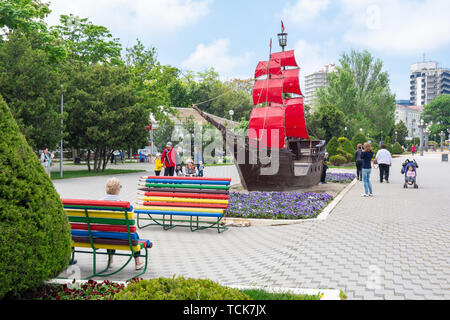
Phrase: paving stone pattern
(392, 246)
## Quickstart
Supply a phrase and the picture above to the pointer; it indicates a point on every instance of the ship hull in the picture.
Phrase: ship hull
(296, 167)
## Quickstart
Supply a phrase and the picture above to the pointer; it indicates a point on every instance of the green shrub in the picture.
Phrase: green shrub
(375, 147)
(349, 157)
(397, 148)
(179, 289)
(358, 139)
(34, 231)
(338, 160)
(332, 147)
(347, 146)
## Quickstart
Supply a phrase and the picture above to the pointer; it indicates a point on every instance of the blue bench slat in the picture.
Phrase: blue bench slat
(206, 182)
(100, 234)
(180, 213)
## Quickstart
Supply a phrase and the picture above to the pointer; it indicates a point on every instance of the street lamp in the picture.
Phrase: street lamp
(442, 140)
(346, 131)
(231, 112)
(421, 127)
(427, 134)
(61, 142)
(395, 136)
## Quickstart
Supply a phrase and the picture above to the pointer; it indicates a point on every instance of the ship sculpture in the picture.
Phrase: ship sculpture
(277, 154)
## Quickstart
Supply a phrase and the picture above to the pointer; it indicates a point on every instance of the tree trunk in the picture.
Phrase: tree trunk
(88, 160)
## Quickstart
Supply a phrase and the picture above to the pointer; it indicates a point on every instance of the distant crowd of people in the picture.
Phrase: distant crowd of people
(172, 163)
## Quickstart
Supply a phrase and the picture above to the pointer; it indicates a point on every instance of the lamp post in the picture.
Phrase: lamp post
(421, 127)
(442, 135)
(426, 140)
(346, 131)
(395, 136)
(231, 112)
(61, 142)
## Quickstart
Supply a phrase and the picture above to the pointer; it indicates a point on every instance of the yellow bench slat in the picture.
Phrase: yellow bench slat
(105, 246)
(99, 214)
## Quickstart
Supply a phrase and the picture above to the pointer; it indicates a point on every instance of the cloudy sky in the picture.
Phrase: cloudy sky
(233, 35)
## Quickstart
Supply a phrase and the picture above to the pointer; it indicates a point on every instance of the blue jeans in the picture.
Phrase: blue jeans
(366, 180)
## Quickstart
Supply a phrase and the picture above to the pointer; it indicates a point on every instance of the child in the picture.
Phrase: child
(200, 168)
(190, 169)
(179, 170)
(410, 174)
(158, 164)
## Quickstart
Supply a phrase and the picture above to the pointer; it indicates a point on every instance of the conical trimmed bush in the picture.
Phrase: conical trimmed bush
(34, 231)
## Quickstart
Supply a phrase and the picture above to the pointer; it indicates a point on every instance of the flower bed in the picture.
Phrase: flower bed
(277, 205)
(340, 177)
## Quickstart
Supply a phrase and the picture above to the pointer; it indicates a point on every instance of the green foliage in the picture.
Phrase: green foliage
(338, 160)
(358, 139)
(258, 294)
(402, 132)
(326, 122)
(375, 147)
(179, 288)
(103, 114)
(24, 15)
(332, 147)
(34, 231)
(29, 83)
(86, 42)
(397, 148)
(360, 89)
(438, 113)
(346, 145)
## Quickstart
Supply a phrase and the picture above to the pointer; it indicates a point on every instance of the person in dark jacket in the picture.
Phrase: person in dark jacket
(366, 156)
(358, 162)
(324, 169)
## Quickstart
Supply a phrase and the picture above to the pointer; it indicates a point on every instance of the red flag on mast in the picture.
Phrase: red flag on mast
(282, 26)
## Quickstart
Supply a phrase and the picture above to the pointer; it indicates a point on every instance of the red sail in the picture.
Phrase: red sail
(267, 126)
(286, 58)
(269, 90)
(268, 67)
(295, 119)
(290, 81)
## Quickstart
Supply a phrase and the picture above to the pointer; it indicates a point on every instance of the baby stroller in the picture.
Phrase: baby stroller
(409, 169)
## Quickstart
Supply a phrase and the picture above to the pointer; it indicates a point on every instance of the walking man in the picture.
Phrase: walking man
(168, 159)
(384, 160)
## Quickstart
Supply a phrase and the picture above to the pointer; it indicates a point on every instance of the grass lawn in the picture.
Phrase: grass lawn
(258, 294)
(86, 173)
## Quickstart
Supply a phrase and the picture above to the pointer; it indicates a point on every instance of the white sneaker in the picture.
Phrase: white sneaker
(140, 266)
(364, 195)
(371, 195)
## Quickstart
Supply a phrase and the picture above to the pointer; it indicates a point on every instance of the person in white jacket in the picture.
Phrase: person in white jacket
(384, 161)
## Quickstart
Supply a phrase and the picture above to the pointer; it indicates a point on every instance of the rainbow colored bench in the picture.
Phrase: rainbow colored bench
(171, 198)
(98, 224)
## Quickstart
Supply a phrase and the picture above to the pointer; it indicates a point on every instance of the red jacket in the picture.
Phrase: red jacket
(168, 158)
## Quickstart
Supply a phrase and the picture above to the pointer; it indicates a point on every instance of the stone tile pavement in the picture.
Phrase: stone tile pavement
(392, 246)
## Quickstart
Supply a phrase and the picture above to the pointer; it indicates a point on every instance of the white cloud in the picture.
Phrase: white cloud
(398, 26)
(217, 55)
(149, 16)
(304, 11)
(311, 57)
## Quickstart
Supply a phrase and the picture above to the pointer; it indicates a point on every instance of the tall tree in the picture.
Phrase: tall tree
(103, 114)
(437, 113)
(30, 85)
(360, 89)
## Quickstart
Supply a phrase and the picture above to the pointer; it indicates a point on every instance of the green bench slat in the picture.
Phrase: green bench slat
(117, 222)
(169, 185)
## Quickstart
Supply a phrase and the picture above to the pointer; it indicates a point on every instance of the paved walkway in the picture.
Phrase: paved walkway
(392, 246)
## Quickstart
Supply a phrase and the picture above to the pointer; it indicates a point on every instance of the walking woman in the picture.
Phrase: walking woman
(358, 162)
(366, 156)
